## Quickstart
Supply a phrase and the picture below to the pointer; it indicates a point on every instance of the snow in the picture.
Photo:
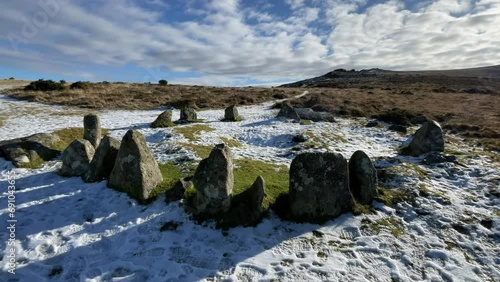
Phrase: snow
(93, 233)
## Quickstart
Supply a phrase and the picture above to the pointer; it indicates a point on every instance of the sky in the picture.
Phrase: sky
(240, 42)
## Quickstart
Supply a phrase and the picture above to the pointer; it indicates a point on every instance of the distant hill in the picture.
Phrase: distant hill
(483, 80)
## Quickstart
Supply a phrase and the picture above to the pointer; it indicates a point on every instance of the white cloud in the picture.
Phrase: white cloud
(225, 48)
(295, 4)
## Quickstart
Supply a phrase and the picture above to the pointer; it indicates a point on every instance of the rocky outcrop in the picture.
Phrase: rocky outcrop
(231, 114)
(429, 138)
(188, 114)
(319, 186)
(310, 114)
(22, 151)
(362, 178)
(288, 111)
(135, 172)
(163, 120)
(214, 181)
(103, 161)
(92, 129)
(76, 158)
(398, 128)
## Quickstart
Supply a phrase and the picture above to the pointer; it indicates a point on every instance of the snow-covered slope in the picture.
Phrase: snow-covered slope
(68, 230)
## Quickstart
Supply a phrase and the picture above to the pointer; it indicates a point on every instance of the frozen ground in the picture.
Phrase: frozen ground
(71, 231)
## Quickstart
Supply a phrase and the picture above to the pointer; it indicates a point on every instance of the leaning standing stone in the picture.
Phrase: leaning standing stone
(288, 111)
(163, 120)
(103, 161)
(214, 181)
(319, 186)
(188, 114)
(136, 172)
(76, 158)
(231, 114)
(429, 138)
(92, 129)
(362, 177)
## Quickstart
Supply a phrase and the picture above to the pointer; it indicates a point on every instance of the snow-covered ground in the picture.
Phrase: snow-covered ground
(68, 230)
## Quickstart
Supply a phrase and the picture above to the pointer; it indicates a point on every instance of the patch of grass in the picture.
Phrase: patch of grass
(389, 223)
(192, 132)
(359, 208)
(202, 151)
(306, 122)
(425, 192)
(171, 174)
(275, 177)
(68, 135)
(409, 169)
(334, 137)
(232, 143)
(34, 163)
(450, 245)
(321, 254)
(391, 197)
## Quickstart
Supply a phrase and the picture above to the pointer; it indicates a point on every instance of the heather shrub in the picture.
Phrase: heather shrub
(44, 85)
(80, 85)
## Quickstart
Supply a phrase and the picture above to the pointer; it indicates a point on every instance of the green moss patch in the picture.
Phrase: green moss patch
(35, 162)
(275, 177)
(391, 197)
(426, 192)
(409, 169)
(359, 208)
(391, 224)
(192, 132)
(202, 151)
(68, 135)
(171, 174)
(232, 143)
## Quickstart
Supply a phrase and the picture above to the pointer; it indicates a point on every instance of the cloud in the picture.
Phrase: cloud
(230, 42)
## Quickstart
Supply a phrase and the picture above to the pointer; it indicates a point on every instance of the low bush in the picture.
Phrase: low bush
(163, 82)
(81, 85)
(44, 85)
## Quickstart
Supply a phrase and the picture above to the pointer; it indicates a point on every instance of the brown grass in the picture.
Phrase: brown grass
(149, 96)
(13, 83)
(475, 116)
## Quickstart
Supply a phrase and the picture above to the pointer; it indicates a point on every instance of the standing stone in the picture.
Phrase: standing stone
(246, 207)
(177, 192)
(136, 172)
(231, 114)
(214, 181)
(188, 114)
(429, 138)
(163, 120)
(76, 158)
(289, 112)
(92, 129)
(103, 161)
(362, 177)
(319, 186)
